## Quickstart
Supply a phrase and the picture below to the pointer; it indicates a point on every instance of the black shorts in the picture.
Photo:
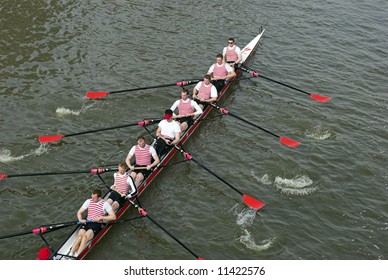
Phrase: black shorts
(115, 196)
(188, 120)
(161, 147)
(95, 227)
(219, 84)
(145, 172)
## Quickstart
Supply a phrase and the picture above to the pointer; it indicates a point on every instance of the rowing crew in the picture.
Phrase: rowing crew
(101, 211)
(205, 92)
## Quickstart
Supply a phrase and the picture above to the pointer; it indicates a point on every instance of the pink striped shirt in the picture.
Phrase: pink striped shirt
(205, 91)
(96, 209)
(220, 70)
(121, 182)
(231, 54)
(143, 155)
(185, 108)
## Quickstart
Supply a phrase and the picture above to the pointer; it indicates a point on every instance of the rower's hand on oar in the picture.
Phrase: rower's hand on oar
(97, 219)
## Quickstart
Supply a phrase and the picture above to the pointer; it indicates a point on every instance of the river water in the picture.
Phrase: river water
(326, 199)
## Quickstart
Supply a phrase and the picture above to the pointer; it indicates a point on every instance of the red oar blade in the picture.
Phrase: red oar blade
(96, 94)
(320, 98)
(253, 202)
(289, 142)
(50, 138)
(2, 176)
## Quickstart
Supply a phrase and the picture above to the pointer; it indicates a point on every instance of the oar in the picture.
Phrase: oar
(284, 140)
(315, 96)
(100, 94)
(44, 229)
(145, 214)
(248, 200)
(55, 138)
(93, 171)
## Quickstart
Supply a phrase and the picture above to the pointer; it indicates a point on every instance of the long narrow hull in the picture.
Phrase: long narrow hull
(64, 249)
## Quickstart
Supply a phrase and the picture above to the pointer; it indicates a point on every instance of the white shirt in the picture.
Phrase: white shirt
(169, 128)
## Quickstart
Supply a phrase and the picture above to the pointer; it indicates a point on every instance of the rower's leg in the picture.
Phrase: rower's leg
(139, 178)
(77, 242)
(184, 126)
(84, 241)
(115, 206)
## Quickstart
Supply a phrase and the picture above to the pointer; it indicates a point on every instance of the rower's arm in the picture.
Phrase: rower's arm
(198, 109)
(128, 160)
(158, 132)
(110, 217)
(156, 160)
(231, 75)
(177, 138)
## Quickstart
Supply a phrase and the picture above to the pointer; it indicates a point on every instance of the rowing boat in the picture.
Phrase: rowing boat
(64, 249)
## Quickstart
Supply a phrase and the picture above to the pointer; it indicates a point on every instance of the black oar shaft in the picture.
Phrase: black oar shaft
(15, 234)
(244, 120)
(255, 125)
(283, 84)
(96, 170)
(162, 228)
(142, 88)
(189, 157)
(172, 236)
(104, 129)
(46, 173)
(215, 175)
(43, 229)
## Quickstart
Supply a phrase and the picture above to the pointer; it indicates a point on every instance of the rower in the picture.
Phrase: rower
(205, 92)
(100, 212)
(188, 110)
(123, 186)
(146, 158)
(221, 72)
(168, 133)
(232, 53)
